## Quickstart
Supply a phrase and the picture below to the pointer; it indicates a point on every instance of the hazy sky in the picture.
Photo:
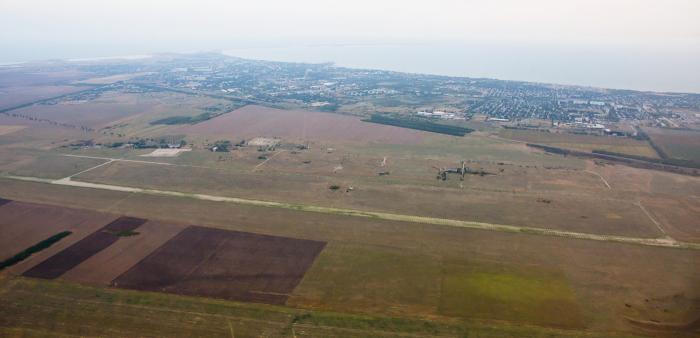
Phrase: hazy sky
(31, 29)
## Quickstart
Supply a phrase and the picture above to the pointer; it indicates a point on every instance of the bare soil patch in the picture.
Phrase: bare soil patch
(165, 153)
(67, 259)
(108, 264)
(225, 264)
(4, 130)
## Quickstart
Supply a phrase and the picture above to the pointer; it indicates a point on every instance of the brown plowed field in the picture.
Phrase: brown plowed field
(4, 201)
(225, 264)
(299, 125)
(25, 224)
(116, 259)
(67, 259)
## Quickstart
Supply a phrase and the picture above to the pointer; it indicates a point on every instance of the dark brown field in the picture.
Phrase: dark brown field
(4, 201)
(69, 258)
(110, 263)
(225, 264)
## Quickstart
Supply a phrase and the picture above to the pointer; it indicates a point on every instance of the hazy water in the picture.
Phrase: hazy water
(638, 68)
(641, 68)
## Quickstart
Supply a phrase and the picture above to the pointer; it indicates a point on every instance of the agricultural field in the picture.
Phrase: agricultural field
(15, 96)
(299, 126)
(320, 224)
(64, 261)
(192, 260)
(119, 111)
(678, 144)
(413, 271)
(18, 86)
(24, 224)
(583, 142)
(523, 294)
(223, 264)
(31, 306)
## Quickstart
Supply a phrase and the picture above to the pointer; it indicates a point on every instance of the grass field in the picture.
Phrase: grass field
(521, 294)
(379, 280)
(583, 212)
(31, 307)
(385, 277)
(602, 276)
(30, 162)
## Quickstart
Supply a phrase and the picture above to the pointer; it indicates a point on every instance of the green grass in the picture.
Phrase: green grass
(513, 294)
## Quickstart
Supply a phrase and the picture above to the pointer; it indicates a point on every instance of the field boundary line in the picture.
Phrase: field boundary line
(112, 159)
(652, 219)
(601, 178)
(267, 159)
(89, 169)
(657, 242)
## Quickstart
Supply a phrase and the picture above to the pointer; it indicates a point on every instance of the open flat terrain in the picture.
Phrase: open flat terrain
(583, 142)
(583, 213)
(368, 256)
(105, 266)
(25, 224)
(337, 228)
(224, 264)
(253, 121)
(681, 144)
(62, 262)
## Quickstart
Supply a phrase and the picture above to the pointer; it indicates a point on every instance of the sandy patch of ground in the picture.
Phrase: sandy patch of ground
(264, 142)
(5, 129)
(166, 152)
